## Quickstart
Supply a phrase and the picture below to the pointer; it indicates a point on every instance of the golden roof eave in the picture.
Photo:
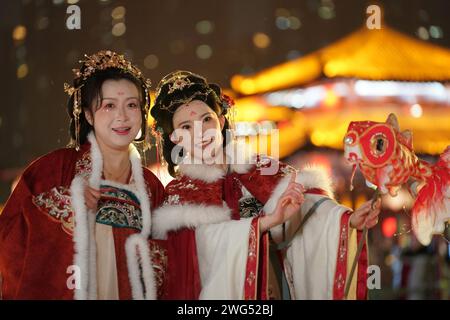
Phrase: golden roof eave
(383, 54)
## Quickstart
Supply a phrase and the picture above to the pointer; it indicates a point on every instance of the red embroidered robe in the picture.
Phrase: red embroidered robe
(45, 228)
(216, 251)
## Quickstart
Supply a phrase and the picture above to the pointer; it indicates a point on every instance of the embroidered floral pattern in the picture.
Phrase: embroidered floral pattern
(56, 203)
(184, 184)
(185, 190)
(83, 165)
(252, 262)
(159, 260)
(286, 170)
(249, 207)
(342, 257)
(188, 186)
(343, 244)
(251, 278)
(252, 242)
(340, 281)
(340, 276)
(119, 208)
(172, 199)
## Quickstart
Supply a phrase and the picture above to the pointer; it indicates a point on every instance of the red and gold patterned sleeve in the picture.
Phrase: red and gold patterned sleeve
(348, 239)
(262, 179)
(256, 272)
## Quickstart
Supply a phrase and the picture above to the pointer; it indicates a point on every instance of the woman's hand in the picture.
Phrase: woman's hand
(91, 197)
(366, 216)
(288, 205)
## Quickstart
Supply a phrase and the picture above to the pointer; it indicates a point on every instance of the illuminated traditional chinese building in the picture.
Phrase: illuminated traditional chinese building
(365, 75)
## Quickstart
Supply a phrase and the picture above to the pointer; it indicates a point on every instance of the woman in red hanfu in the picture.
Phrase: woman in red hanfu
(77, 224)
(220, 212)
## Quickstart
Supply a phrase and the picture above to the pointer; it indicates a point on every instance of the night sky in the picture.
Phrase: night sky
(212, 38)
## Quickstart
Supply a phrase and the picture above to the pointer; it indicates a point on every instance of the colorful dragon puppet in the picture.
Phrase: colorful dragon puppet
(387, 160)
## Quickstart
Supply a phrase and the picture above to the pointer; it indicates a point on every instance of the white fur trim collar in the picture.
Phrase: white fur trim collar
(238, 159)
(174, 217)
(210, 173)
(310, 177)
(84, 239)
(203, 172)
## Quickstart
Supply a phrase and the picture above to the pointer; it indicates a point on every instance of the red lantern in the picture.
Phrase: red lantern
(389, 227)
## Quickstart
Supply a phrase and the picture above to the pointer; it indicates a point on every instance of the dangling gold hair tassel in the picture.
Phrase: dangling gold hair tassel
(76, 116)
(157, 133)
(145, 141)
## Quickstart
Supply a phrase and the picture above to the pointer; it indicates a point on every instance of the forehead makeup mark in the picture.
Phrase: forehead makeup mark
(120, 93)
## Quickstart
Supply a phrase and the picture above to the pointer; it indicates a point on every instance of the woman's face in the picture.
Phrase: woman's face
(198, 129)
(117, 119)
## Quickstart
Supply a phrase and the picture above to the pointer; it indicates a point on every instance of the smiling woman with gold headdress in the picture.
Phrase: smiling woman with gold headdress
(224, 204)
(78, 222)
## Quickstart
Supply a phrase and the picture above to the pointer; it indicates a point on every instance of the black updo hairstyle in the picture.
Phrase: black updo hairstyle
(167, 103)
(91, 96)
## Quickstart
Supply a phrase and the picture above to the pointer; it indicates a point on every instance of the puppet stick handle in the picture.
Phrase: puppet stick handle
(355, 262)
(375, 197)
